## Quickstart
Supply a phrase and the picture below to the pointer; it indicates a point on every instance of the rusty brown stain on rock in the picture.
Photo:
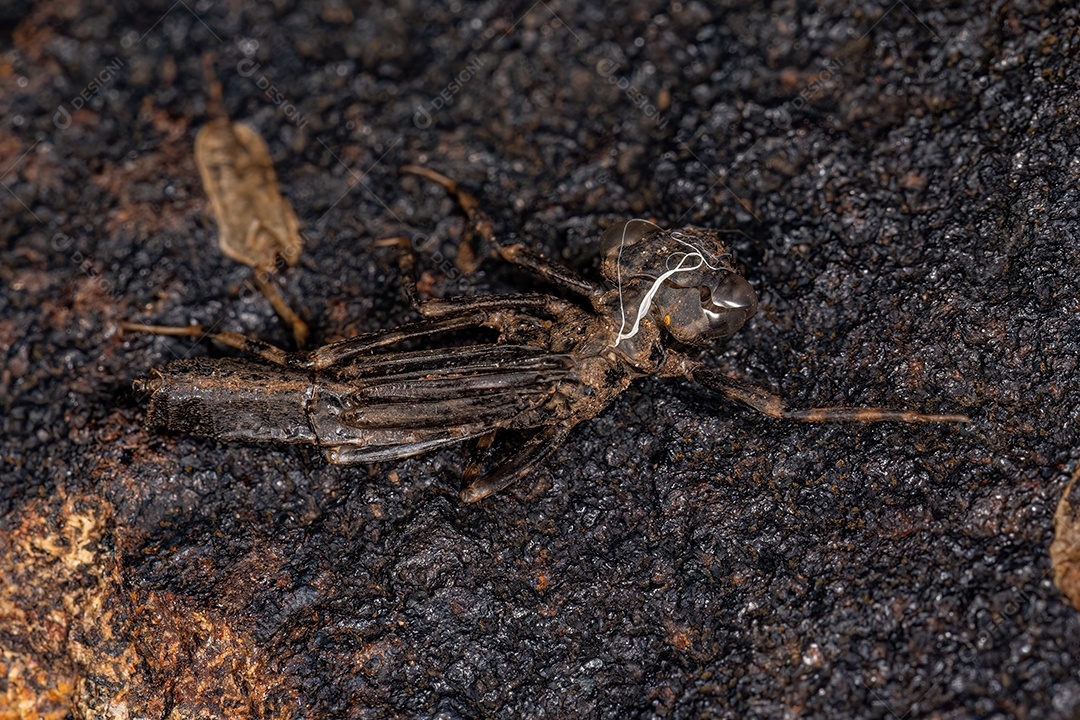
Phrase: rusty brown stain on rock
(79, 641)
(52, 581)
(1065, 550)
(210, 667)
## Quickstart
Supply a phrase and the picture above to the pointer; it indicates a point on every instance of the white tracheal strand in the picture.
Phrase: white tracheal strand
(697, 259)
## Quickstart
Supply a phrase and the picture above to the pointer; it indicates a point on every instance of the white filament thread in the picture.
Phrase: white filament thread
(696, 254)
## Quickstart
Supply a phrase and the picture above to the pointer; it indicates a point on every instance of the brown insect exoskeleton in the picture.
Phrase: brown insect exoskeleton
(256, 225)
(554, 363)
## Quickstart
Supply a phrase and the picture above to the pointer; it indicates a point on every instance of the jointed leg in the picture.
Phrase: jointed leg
(329, 355)
(480, 225)
(476, 458)
(444, 307)
(554, 273)
(258, 348)
(406, 269)
(770, 404)
(535, 449)
(299, 327)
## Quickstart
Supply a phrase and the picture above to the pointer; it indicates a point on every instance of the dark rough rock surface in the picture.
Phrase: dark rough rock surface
(901, 181)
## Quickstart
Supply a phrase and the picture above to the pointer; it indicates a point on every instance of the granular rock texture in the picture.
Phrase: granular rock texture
(900, 182)
(1065, 550)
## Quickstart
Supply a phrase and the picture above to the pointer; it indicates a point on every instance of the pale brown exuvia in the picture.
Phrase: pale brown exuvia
(553, 365)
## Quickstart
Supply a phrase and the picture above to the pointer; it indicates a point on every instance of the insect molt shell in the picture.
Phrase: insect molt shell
(684, 277)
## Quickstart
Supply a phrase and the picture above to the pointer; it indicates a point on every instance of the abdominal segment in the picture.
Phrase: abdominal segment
(232, 400)
(393, 405)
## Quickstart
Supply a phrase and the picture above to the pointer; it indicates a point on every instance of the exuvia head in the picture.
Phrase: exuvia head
(683, 278)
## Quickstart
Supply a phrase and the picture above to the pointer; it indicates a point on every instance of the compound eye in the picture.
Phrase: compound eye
(697, 315)
(734, 293)
(623, 235)
(733, 302)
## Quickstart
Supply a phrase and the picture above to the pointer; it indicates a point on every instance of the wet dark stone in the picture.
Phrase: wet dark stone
(900, 184)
